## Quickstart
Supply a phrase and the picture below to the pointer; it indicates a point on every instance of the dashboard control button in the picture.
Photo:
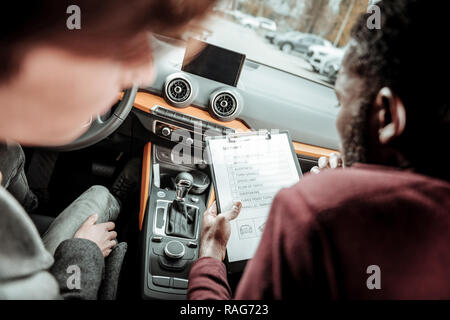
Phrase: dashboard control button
(192, 244)
(178, 283)
(178, 116)
(161, 281)
(156, 239)
(174, 249)
(161, 194)
(166, 131)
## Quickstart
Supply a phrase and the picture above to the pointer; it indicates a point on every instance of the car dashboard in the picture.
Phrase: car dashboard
(181, 109)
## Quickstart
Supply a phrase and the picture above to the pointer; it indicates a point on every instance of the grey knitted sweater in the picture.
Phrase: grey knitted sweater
(28, 271)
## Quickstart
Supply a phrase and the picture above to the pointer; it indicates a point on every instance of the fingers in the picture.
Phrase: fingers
(112, 244)
(92, 219)
(108, 247)
(106, 252)
(335, 160)
(315, 170)
(323, 162)
(212, 210)
(108, 225)
(112, 235)
(234, 212)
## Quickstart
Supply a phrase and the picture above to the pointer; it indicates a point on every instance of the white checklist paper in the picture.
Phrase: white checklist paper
(252, 169)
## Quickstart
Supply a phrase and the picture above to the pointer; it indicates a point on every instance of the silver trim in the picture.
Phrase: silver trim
(170, 254)
(203, 121)
(165, 131)
(164, 204)
(182, 189)
(235, 96)
(155, 123)
(191, 132)
(161, 204)
(186, 79)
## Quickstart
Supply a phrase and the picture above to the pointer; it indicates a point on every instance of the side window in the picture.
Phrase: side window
(301, 23)
(306, 40)
(300, 39)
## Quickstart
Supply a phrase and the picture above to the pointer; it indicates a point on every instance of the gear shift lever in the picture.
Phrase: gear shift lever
(181, 222)
(183, 183)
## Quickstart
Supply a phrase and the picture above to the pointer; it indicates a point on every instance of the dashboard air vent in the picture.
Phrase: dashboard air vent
(179, 90)
(224, 105)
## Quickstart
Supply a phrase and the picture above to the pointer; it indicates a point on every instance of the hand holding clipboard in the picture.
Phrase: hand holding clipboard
(250, 167)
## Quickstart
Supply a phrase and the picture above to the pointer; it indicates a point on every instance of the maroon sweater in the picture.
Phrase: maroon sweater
(324, 232)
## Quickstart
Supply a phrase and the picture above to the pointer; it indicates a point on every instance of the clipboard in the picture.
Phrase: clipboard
(229, 140)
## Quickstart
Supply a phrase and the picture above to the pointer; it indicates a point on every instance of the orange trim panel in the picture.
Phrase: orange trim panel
(145, 101)
(212, 198)
(145, 182)
(312, 151)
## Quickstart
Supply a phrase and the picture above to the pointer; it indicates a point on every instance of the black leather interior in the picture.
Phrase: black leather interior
(41, 222)
(182, 221)
(306, 163)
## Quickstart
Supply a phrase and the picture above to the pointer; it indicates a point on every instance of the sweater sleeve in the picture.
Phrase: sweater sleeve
(261, 276)
(291, 260)
(208, 280)
(78, 268)
(263, 273)
(283, 266)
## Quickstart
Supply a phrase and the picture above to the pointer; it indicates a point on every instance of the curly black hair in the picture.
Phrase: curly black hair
(409, 55)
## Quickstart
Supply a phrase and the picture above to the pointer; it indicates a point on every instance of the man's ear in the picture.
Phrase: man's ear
(391, 115)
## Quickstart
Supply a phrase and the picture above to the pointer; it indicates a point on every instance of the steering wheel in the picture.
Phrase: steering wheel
(101, 128)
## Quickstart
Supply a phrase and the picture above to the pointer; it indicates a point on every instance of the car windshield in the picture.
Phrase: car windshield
(303, 37)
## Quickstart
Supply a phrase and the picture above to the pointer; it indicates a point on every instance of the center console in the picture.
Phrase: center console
(177, 176)
(178, 195)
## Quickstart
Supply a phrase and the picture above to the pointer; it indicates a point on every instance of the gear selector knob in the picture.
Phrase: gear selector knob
(183, 183)
(174, 249)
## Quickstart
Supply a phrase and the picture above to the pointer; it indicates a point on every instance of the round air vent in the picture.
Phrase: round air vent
(178, 90)
(224, 105)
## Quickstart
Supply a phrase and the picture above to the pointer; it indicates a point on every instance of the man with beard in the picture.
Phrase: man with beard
(379, 228)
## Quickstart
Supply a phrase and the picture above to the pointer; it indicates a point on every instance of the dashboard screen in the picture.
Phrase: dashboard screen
(213, 62)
